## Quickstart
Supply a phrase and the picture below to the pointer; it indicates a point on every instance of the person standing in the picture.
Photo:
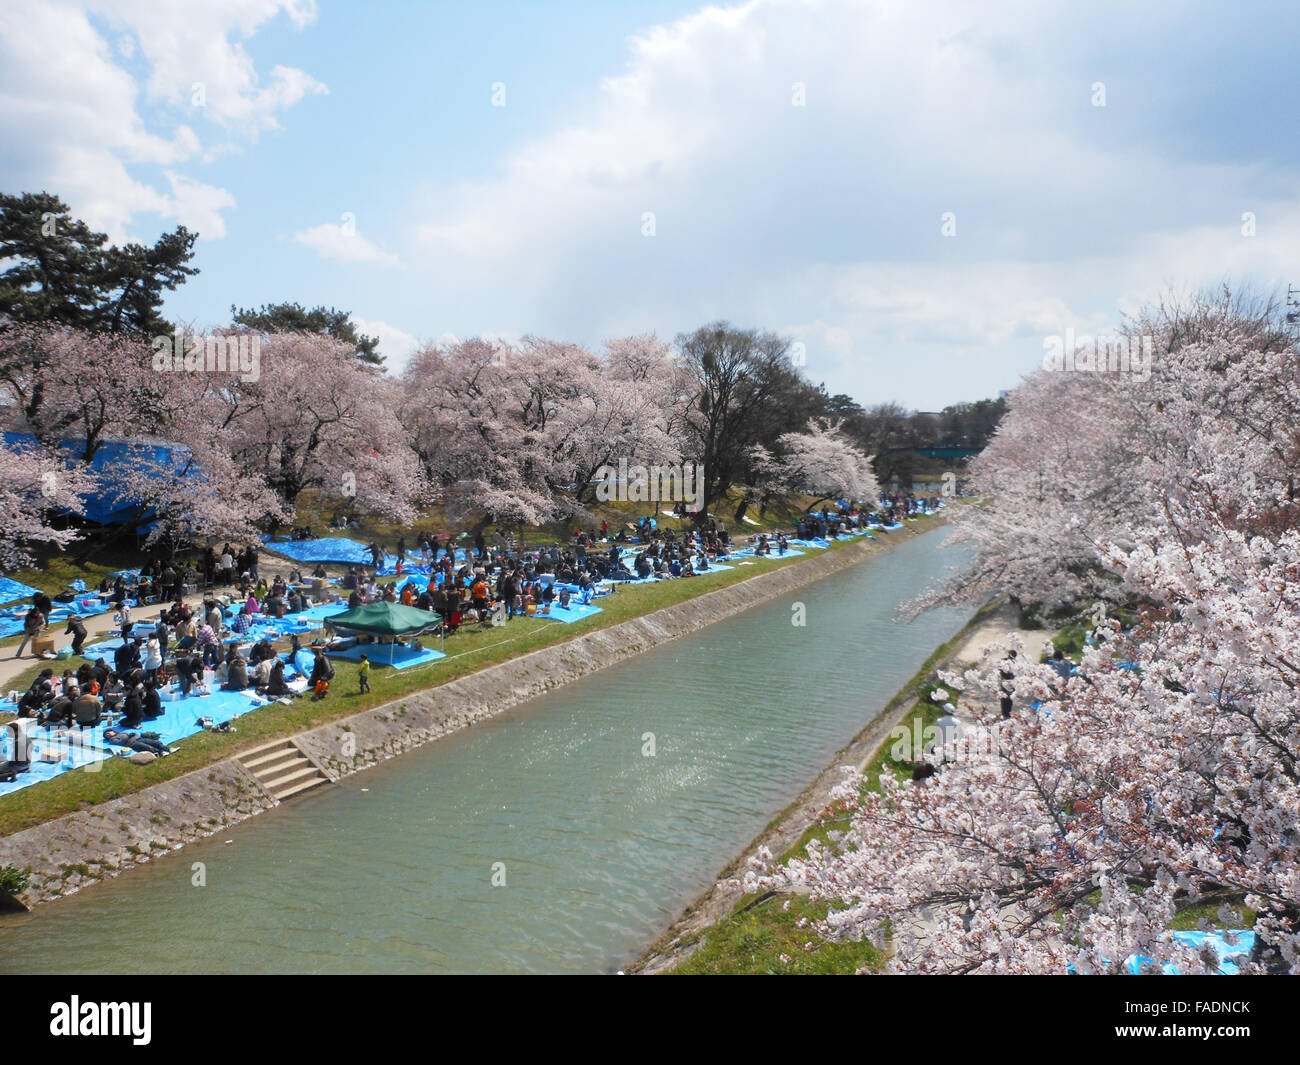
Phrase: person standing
(123, 618)
(32, 626)
(363, 674)
(1007, 686)
(77, 629)
(322, 672)
(152, 659)
(163, 634)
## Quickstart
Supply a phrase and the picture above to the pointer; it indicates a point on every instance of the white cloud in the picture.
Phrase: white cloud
(343, 243)
(395, 345)
(828, 215)
(70, 115)
(198, 206)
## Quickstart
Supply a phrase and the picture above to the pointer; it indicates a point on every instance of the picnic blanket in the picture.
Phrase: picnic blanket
(404, 656)
(1228, 953)
(575, 612)
(11, 590)
(85, 747)
(326, 549)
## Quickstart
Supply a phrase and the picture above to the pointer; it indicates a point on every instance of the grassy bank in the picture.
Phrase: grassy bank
(467, 651)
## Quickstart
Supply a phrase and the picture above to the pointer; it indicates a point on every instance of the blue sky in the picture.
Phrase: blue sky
(798, 157)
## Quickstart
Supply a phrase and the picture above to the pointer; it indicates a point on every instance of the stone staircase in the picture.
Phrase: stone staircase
(282, 769)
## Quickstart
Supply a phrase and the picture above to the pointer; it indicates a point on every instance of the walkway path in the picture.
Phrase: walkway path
(102, 625)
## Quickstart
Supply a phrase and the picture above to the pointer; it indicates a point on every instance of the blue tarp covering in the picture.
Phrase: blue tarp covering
(403, 656)
(326, 549)
(11, 590)
(10, 623)
(575, 612)
(81, 747)
(1228, 953)
(105, 508)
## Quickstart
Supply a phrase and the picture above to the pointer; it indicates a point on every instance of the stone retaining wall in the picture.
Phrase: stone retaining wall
(81, 848)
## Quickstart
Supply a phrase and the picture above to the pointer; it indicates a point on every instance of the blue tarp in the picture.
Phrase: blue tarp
(114, 456)
(403, 656)
(83, 747)
(11, 590)
(575, 612)
(1228, 953)
(326, 549)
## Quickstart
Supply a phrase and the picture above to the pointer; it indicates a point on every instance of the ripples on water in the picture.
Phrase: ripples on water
(601, 846)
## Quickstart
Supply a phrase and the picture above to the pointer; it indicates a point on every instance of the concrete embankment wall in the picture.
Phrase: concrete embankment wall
(79, 849)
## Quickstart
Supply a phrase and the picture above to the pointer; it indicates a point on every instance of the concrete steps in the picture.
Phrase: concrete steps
(282, 769)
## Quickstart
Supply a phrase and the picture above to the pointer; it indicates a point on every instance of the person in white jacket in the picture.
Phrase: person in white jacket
(152, 659)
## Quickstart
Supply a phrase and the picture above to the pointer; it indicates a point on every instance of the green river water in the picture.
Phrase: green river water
(598, 844)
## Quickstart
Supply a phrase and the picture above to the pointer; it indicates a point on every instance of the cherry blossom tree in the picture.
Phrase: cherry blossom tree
(520, 430)
(1083, 458)
(316, 418)
(1165, 774)
(35, 485)
(821, 462)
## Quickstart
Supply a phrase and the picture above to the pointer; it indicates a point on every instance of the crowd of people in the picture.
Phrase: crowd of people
(489, 585)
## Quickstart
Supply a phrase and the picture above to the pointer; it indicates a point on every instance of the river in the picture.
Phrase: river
(550, 839)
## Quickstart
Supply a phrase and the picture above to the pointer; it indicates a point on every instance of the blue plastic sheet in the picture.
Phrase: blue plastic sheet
(402, 655)
(574, 612)
(1228, 953)
(11, 590)
(326, 549)
(84, 747)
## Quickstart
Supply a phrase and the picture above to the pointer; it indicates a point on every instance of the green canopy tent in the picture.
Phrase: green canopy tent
(385, 619)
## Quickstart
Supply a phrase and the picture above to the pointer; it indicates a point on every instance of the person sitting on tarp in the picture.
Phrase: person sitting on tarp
(260, 673)
(275, 684)
(39, 696)
(87, 708)
(132, 707)
(243, 622)
(237, 672)
(112, 692)
(61, 710)
(152, 701)
(176, 613)
(189, 668)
